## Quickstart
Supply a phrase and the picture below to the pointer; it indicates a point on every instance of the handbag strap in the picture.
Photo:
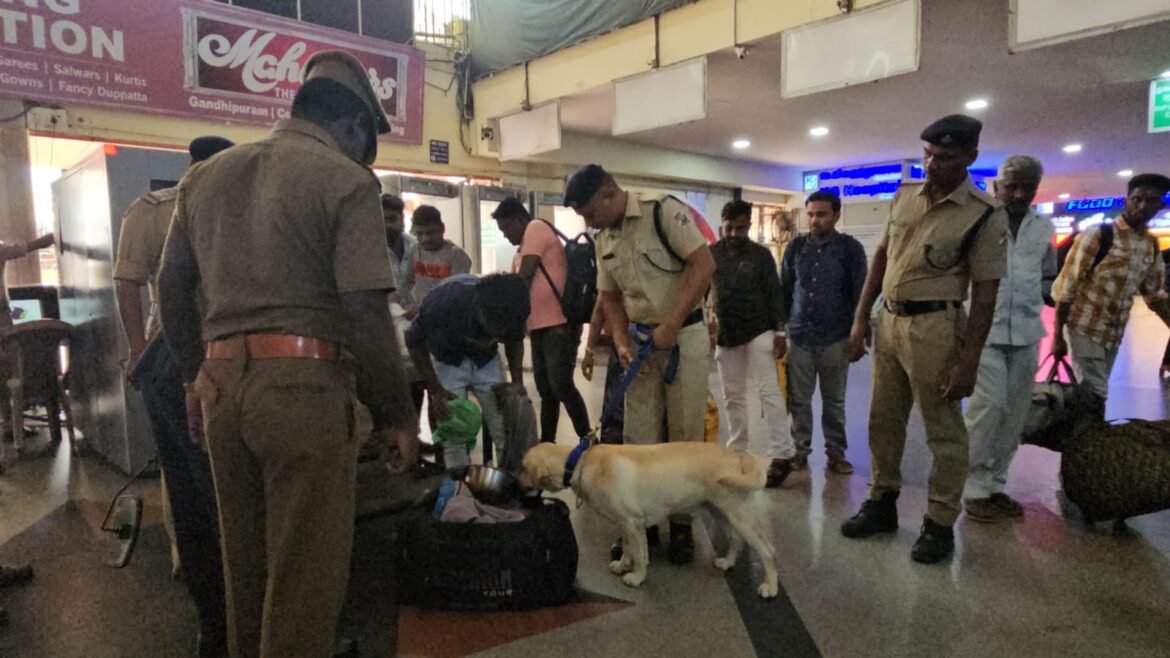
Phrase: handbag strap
(1054, 371)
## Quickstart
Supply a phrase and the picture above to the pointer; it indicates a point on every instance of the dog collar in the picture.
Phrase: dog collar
(575, 457)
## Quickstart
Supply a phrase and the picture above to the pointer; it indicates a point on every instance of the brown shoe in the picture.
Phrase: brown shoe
(838, 464)
(778, 472)
(1006, 505)
(983, 510)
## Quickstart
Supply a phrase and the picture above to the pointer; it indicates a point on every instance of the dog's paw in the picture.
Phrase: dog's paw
(769, 590)
(723, 563)
(633, 579)
(619, 567)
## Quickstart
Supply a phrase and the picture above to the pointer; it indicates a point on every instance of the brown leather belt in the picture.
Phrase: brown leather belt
(273, 346)
(911, 308)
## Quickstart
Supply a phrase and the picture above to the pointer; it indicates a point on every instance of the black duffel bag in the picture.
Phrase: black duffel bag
(1060, 410)
(472, 566)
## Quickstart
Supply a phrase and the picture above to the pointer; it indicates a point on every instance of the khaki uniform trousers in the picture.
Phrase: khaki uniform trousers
(280, 437)
(683, 402)
(911, 361)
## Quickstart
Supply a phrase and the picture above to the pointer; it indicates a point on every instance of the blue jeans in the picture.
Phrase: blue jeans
(462, 380)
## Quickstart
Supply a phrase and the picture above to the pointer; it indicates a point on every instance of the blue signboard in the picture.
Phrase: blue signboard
(876, 181)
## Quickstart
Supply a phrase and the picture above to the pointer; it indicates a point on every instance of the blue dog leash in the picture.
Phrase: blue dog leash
(643, 337)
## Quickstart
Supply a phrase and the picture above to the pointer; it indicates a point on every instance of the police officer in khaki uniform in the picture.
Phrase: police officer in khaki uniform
(140, 249)
(943, 236)
(283, 240)
(654, 267)
(189, 512)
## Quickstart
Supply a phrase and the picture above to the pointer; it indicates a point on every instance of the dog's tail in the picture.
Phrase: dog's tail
(752, 473)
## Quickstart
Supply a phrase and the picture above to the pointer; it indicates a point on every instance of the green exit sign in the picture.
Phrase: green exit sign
(1160, 105)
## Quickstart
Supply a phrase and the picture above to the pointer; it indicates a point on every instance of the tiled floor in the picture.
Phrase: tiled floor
(1043, 586)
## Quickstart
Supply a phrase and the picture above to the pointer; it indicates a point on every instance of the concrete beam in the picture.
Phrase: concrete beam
(690, 31)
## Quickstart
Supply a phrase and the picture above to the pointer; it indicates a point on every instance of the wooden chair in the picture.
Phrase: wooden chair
(31, 362)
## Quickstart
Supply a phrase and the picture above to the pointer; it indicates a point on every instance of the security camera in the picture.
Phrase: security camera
(845, 6)
(741, 52)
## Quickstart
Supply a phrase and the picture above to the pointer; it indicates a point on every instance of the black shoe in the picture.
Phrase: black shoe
(778, 472)
(15, 575)
(935, 544)
(682, 544)
(615, 551)
(875, 516)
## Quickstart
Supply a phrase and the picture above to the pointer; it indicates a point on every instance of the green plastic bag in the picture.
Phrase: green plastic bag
(461, 427)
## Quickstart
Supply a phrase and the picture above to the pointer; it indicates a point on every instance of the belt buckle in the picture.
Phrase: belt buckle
(897, 308)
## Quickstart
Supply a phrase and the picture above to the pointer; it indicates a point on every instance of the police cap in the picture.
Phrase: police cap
(202, 148)
(957, 130)
(583, 184)
(345, 69)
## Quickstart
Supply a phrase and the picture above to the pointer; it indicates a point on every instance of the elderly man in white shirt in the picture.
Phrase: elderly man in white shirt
(998, 408)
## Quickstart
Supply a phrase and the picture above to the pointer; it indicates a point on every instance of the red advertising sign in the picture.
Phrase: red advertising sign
(190, 58)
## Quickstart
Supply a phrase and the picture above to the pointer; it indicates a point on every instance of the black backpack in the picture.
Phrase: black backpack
(580, 293)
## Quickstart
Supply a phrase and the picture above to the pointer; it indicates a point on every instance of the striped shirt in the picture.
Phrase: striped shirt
(1101, 299)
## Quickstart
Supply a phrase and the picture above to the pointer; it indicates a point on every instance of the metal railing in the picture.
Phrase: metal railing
(442, 21)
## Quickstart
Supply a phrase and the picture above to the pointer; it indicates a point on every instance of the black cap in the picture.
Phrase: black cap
(1156, 181)
(582, 184)
(954, 130)
(511, 208)
(202, 148)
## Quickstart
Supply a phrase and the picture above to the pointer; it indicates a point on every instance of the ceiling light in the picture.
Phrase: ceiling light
(1125, 173)
(1064, 196)
(1072, 148)
(818, 131)
(1165, 74)
(740, 144)
(976, 104)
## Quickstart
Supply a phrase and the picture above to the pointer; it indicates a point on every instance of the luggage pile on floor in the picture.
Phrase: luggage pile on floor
(486, 552)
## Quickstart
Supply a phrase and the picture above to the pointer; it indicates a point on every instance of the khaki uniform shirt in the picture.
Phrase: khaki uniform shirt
(631, 258)
(924, 259)
(140, 246)
(279, 229)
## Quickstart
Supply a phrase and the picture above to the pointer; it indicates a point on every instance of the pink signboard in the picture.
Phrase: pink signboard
(188, 58)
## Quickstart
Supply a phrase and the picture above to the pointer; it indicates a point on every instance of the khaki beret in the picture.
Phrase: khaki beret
(345, 69)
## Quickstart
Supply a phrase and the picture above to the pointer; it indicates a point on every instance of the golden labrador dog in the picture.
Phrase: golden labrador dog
(636, 486)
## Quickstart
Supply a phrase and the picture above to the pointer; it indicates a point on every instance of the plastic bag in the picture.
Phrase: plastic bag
(461, 427)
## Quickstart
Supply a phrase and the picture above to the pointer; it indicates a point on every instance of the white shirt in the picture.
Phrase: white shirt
(1031, 267)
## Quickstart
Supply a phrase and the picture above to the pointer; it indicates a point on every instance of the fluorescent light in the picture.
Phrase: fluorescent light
(1165, 74)
(976, 104)
(1072, 148)
(818, 131)
(740, 144)
(1125, 173)
(1064, 196)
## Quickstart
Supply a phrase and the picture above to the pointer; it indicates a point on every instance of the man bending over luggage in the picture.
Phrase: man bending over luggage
(454, 344)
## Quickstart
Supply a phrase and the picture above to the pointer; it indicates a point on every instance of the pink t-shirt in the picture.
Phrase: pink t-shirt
(540, 240)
